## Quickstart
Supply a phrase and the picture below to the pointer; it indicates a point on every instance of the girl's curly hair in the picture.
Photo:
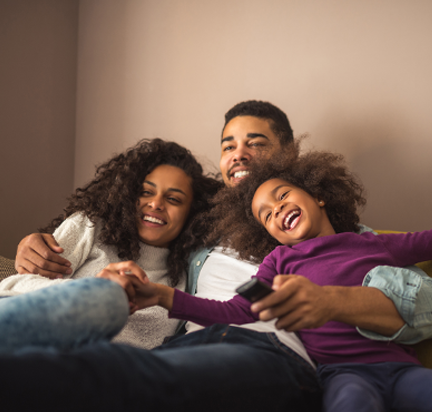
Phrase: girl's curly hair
(112, 198)
(323, 175)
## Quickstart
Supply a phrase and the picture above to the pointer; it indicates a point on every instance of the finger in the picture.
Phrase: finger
(129, 268)
(33, 249)
(136, 282)
(29, 267)
(273, 299)
(48, 249)
(52, 243)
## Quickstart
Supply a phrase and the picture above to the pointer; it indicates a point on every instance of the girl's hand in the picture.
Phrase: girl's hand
(151, 294)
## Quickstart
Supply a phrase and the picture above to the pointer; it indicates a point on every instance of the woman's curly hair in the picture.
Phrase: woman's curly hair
(323, 175)
(112, 198)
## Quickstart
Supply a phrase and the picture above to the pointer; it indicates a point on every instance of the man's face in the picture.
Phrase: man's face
(243, 138)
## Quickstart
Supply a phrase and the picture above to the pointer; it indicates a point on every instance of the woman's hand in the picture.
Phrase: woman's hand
(117, 272)
(140, 291)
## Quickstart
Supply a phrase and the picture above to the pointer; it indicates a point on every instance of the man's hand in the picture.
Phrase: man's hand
(297, 302)
(38, 254)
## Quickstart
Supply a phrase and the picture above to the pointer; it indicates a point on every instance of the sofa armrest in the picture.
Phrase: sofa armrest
(7, 267)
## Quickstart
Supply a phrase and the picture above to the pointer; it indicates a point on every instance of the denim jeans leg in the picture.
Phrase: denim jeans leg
(63, 316)
(222, 368)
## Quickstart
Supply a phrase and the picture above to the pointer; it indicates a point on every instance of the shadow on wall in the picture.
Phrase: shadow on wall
(395, 174)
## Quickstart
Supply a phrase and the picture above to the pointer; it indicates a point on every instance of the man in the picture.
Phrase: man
(220, 367)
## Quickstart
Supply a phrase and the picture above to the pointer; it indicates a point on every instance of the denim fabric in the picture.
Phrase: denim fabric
(65, 315)
(220, 368)
(411, 291)
(380, 387)
(196, 263)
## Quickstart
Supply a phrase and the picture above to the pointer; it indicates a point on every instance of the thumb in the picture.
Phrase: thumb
(279, 280)
(52, 243)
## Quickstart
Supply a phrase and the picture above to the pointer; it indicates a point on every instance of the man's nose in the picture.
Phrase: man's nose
(242, 154)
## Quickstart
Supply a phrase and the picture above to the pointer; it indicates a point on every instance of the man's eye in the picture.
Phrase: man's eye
(257, 144)
(227, 148)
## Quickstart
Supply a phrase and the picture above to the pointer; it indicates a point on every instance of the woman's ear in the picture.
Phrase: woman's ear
(321, 203)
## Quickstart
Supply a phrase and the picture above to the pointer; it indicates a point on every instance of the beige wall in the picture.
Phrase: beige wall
(354, 74)
(38, 52)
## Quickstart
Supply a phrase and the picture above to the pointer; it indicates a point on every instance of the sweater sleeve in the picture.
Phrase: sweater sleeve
(76, 235)
(206, 312)
(408, 248)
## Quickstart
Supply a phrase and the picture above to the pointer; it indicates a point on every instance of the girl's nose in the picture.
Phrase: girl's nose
(278, 208)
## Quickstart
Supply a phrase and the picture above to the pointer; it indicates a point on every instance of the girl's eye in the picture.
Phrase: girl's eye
(284, 195)
(267, 217)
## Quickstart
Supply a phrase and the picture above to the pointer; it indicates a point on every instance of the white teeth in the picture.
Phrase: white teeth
(289, 216)
(243, 173)
(153, 220)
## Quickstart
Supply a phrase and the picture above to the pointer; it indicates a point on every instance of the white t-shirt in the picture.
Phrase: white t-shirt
(221, 274)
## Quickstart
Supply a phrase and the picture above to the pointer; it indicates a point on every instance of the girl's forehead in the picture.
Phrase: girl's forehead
(272, 185)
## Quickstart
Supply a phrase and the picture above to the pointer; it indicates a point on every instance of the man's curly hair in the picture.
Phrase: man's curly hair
(323, 175)
(112, 198)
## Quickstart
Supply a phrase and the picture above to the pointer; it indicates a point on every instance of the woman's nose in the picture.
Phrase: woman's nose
(156, 203)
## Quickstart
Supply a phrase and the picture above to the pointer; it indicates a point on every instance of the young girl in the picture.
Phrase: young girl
(309, 205)
(139, 207)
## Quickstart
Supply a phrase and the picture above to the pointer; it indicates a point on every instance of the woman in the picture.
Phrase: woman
(139, 206)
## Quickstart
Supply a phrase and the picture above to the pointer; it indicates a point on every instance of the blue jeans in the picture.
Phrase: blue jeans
(64, 316)
(220, 368)
(378, 387)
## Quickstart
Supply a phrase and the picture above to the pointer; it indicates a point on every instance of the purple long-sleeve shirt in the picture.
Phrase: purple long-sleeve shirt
(343, 260)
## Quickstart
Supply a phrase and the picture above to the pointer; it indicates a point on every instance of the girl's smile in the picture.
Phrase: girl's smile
(289, 213)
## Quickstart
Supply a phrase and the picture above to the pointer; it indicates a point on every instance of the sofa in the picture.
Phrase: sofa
(423, 349)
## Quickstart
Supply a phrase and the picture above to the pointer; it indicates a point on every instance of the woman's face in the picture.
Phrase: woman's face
(164, 205)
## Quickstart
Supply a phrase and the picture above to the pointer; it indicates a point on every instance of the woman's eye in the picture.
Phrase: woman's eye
(174, 200)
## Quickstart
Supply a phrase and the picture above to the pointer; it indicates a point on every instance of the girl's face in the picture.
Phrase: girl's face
(164, 205)
(290, 214)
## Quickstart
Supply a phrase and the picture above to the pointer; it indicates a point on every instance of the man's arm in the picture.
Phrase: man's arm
(299, 303)
(410, 289)
(38, 254)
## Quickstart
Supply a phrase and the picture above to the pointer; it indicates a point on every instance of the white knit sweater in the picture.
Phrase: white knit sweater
(78, 237)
